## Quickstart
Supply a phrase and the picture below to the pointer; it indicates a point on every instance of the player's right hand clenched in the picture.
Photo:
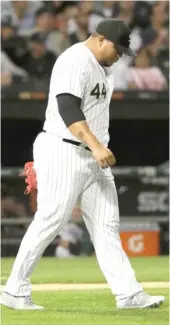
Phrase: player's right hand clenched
(104, 156)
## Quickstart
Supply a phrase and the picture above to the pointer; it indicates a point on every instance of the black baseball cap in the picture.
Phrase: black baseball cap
(117, 32)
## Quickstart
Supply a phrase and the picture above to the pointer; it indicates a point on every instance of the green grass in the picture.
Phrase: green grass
(85, 308)
(95, 307)
(86, 270)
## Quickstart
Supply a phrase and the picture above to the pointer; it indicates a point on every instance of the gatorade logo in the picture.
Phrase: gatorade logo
(136, 243)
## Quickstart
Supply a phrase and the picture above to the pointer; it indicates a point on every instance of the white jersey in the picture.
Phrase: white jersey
(77, 72)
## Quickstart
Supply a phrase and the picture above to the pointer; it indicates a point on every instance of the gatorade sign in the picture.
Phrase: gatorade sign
(136, 243)
(140, 242)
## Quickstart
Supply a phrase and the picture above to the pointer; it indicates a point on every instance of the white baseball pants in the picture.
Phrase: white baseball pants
(66, 174)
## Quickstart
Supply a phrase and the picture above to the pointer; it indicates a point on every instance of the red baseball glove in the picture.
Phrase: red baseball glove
(31, 179)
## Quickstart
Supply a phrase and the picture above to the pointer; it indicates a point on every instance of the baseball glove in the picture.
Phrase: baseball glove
(31, 179)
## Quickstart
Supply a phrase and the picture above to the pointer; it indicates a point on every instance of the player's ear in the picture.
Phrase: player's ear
(101, 39)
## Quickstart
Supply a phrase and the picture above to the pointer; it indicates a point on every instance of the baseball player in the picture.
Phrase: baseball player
(72, 162)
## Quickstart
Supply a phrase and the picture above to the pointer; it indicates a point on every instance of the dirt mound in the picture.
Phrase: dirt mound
(88, 286)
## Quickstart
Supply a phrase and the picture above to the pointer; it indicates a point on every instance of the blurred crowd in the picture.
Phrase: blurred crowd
(35, 33)
(12, 207)
(73, 239)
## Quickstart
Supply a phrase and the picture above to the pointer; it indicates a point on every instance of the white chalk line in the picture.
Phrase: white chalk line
(88, 286)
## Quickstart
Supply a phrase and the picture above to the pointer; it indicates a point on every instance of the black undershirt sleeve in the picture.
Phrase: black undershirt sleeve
(69, 108)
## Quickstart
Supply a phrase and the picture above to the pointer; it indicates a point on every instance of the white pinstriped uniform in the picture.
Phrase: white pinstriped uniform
(77, 72)
(67, 173)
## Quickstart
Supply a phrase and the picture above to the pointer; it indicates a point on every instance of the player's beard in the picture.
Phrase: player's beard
(105, 64)
(108, 64)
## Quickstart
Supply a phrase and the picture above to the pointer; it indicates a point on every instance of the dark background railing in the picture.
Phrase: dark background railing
(30, 103)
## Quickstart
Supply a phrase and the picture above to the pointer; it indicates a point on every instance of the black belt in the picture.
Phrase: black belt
(76, 143)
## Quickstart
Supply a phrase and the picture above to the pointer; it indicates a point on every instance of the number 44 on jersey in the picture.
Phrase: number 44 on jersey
(98, 91)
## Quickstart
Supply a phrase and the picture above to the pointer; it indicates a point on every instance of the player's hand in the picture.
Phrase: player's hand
(103, 156)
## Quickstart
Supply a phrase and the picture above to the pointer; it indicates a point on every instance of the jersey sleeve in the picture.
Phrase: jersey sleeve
(71, 77)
